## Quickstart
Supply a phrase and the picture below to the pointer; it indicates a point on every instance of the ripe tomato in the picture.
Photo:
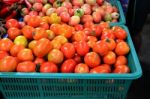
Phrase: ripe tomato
(122, 48)
(5, 44)
(104, 68)
(39, 61)
(61, 39)
(107, 33)
(121, 69)
(79, 36)
(32, 44)
(12, 23)
(56, 44)
(120, 34)
(86, 18)
(77, 58)
(3, 54)
(8, 64)
(55, 56)
(40, 33)
(51, 34)
(104, 25)
(25, 55)
(82, 48)
(96, 30)
(68, 50)
(26, 66)
(101, 48)
(78, 27)
(15, 49)
(109, 58)
(92, 38)
(121, 60)
(44, 25)
(92, 59)
(110, 43)
(42, 47)
(34, 21)
(55, 28)
(28, 31)
(68, 66)
(13, 32)
(48, 67)
(81, 68)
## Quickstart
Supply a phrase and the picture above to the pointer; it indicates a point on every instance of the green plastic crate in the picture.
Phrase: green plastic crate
(71, 86)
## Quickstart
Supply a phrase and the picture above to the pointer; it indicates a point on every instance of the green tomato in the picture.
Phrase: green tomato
(108, 17)
(21, 40)
(79, 12)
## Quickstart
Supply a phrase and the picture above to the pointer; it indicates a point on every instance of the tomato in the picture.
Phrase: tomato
(12, 23)
(104, 25)
(68, 50)
(42, 47)
(13, 32)
(54, 18)
(33, 13)
(120, 34)
(44, 25)
(32, 44)
(81, 68)
(77, 58)
(56, 44)
(55, 56)
(110, 43)
(3, 54)
(104, 68)
(45, 19)
(122, 48)
(121, 60)
(55, 28)
(8, 64)
(25, 55)
(79, 36)
(92, 38)
(51, 34)
(82, 48)
(5, 44)
(65, 17)
(78, 27)
(107, 33)
(61, 39)
(40, 33)
(96, 30)
(101, 48)
(15, 49)
(109, 58)
(96, 16)
(86, 18)
(26, 66)
(88, 24)
(28, 31)
(92, 59)
(34, 21)
(39, 61)
(121, 69)
(48, 67)
(68, 66)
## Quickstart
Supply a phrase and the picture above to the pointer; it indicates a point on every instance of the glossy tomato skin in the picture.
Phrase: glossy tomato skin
(13, 32)
(81, 68)
(107, 33)
(120, 34)
(121, 69)
(77, 58)
(82, 48)
(92, 59)
(101, 69)
(5, 44)
(28, 31)
(8, 64)
(40, 33)
(48, 67)
(110, 43)
(109, 58)
(42, 47)
(3, 54)
(15, 49)
(101, 48)
(26, 66)
(68, 66)
(34, 21)
(79, 36)
(55, 28)
(32, 44)
(121, 60)
(12, 23)
(79, 27)
(122, 48)
(39, 61)
(68, 50)
(25, 55)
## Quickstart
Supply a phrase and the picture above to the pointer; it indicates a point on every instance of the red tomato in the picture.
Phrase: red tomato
(48, 67)
(55, 56)
(8, 64)
(78, 27)
(120, 34)
(92, 38)
(79, 36)
(68, 66)
(13, 32)
(122, 48)
(32, 44)
(77, 58)
(12, 23)
(101, 48)
(104, 68)
(25, 55)
(5, 44)
(88, 24)
(109, 58)
(92, 59)
(82, 48)
(3, 54)
(28, 31)
(65, 17)
(110, 43)
(121, 60)
(96, 30)
(39, 61)
(15, 49)
(121, 69)
(26, 66)
(55, 28)
(68, 50)
(44, 25)
(81, 68)
(40, 33)
(107, 33)
(42, 47)
(86, 18)
(34, 21)
(104, 25)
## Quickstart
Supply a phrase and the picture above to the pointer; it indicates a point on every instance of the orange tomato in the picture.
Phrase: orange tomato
(79, 36)
(5, 44)
(32, 44)
(40, 33)
(121, 69)
(15, 49)
(27, 31)
(109, 58)
(34, 21)
(104, 68)
(81, 68)
(110, 43)
(3, 54)
(13, 32)
(121, 60)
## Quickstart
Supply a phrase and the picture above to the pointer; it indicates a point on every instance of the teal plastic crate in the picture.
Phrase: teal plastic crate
(71, 86)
